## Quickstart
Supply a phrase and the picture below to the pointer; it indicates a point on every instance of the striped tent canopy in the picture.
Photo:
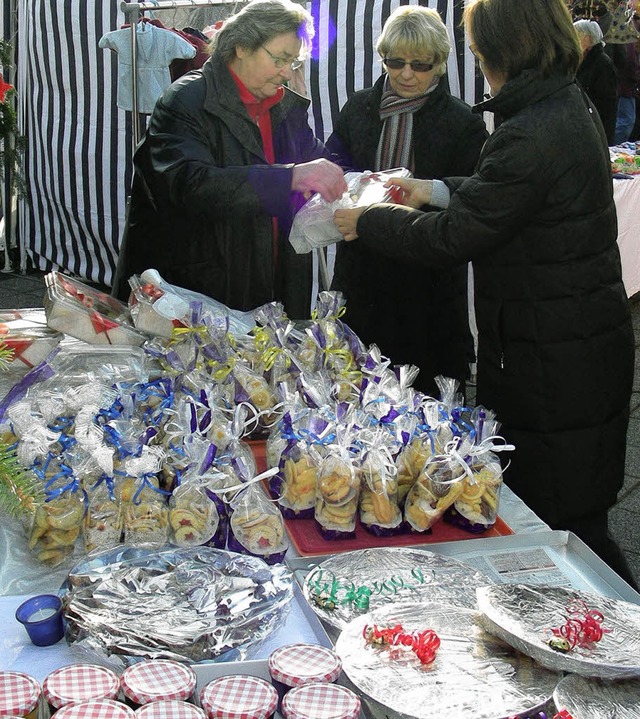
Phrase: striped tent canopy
(78, 161)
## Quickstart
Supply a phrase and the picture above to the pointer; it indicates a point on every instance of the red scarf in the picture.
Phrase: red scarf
(259, 112)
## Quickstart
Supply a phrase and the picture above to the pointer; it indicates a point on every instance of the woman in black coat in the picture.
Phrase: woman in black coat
(416, 316)
(538, 221)
(597, 75)
(225, 163)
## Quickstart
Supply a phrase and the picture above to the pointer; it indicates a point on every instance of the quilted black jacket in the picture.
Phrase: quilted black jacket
(556, 347)
(203, 195)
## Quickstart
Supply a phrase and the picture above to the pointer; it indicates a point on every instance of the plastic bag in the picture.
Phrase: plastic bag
(313, 225)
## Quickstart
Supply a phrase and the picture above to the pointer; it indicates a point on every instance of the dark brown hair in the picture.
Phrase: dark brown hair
(514, 35)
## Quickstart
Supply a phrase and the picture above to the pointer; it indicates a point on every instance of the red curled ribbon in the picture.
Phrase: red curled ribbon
(583, 627)
(423, 644)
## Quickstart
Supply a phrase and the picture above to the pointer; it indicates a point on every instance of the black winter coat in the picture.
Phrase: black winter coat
(556, 346)
(414, 315)
(598, 78)
(204, 195)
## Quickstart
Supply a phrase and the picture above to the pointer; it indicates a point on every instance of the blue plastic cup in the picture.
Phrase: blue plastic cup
(42, 618)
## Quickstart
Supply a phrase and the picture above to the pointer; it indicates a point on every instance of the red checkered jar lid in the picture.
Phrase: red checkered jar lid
(320, 701)
(297, 664)
(157, 679)
(78, 683)
(238, 697)
(96, 709)
(172, 709)
(19, 693)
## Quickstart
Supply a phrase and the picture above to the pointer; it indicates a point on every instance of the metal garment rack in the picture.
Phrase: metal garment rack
(133, 12)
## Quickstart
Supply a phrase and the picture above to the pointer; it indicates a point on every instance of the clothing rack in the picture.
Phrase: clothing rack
(133, 12)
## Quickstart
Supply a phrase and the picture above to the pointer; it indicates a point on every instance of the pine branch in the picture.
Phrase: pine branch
(20, 490)
(6, 356)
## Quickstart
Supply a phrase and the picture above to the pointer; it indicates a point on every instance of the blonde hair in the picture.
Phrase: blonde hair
(416, 31)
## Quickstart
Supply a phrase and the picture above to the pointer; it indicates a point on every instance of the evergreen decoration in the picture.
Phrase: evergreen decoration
(6, 357)
(20, 490)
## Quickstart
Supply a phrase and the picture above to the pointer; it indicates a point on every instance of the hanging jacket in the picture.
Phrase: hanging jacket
(415, 315)
(556, 345)
(204, 196)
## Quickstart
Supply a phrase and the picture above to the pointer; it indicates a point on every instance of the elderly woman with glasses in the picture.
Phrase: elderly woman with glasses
(538, 220)
(226, 160)
(409, 119)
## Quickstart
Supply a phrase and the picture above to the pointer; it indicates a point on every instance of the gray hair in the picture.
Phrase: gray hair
(417, 31)
(258, 22)
(591, 30)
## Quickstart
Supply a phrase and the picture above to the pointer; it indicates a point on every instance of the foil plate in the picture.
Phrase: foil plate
(524, 616)
(189, 604)
(474, 675)
(597, 698)
(392, 575)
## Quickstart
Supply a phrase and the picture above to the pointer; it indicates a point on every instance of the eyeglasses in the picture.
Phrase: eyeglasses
(394, 63)
(281, 62)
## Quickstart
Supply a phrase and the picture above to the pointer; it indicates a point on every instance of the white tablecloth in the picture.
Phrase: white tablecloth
(627, 197)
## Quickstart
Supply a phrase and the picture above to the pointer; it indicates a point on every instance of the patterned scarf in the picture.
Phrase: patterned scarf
(395, 147)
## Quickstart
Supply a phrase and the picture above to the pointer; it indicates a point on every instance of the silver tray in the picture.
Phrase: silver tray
(388, 575)
(598, 699)
(524, 616)
(474, 675)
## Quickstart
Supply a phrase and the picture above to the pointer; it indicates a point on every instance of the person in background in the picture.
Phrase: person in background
(226, 160)
(538, 221)
(628, 89)
(409, 119)
(597, 75)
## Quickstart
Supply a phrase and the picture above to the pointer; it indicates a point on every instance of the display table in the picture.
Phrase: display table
(627, 198)
(566, 561)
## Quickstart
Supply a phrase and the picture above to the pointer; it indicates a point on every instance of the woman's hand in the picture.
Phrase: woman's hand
(416, 192)
(322, 176)
(347, 220)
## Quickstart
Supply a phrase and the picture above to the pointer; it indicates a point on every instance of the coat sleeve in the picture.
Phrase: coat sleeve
(180, 162)
(340, 141)
(485, 212)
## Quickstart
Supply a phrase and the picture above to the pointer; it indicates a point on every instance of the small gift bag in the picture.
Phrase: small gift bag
(256, 526)
(337, 496)
(103, 523)
(193, 515)
(379, 510)
(436, 489)
(57, 521)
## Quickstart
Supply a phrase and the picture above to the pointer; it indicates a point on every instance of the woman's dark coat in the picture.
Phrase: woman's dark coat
(598, 78)
(204, 195)
(413, 314)
(556, 346)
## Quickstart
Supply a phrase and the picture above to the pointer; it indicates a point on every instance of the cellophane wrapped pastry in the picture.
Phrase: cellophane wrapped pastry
(103, 521)
(337, 496)
(379, 510)
(256, 526)
(193, 516)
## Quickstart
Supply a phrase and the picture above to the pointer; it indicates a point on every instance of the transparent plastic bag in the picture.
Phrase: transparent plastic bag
(313, 225)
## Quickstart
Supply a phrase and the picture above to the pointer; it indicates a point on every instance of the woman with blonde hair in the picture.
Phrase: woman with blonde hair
(538, 221)
(409, 119)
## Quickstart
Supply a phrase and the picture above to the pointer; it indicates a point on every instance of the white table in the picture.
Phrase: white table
(626, 194)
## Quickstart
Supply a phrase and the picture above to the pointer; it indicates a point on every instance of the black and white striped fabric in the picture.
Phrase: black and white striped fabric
(78, 161)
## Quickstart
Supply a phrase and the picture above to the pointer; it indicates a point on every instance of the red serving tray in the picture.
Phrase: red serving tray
(306, 538)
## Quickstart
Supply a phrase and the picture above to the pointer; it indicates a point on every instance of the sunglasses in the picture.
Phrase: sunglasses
(394, 63)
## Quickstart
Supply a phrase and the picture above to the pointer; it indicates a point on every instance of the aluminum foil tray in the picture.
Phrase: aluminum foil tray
(598, 699)
(524, 616)
(347, 585)
(474, 675)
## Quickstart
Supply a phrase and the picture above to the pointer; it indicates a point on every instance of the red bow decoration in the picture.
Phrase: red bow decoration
(423, 644)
